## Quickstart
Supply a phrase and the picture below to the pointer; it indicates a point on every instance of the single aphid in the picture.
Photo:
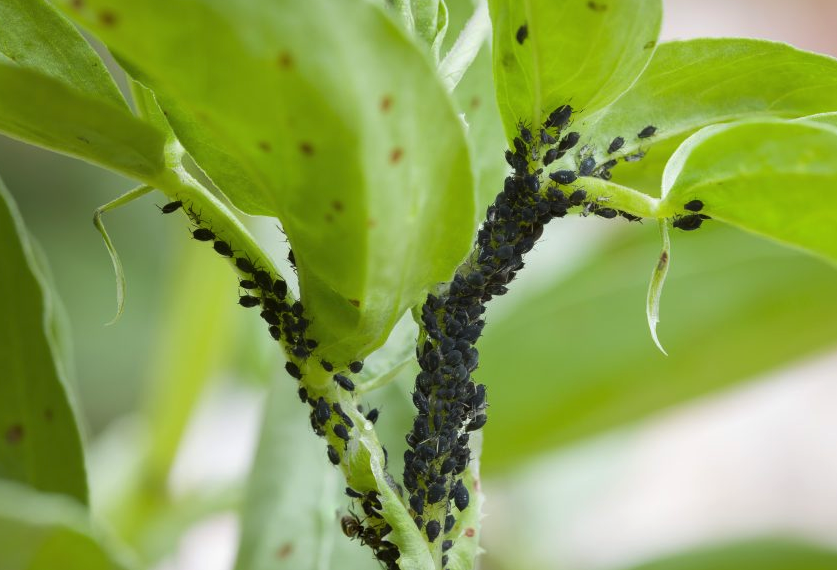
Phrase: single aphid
(356, 366)
(688, 223)
(432, 529)
(563, 176)
(372, 416)
(569, 141)
(341, 431)
(322, 411)
(344, 382)
(694, 206)
(171, 207)
(333, 455)
(647, 132)
(460, 496)
(522, 34)
(248, 301)
(223, 248)
(615, 145)
(203, 234)
(293, 370)
(587, 166)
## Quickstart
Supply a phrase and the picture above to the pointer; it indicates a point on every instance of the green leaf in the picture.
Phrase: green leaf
(289, 514)
(581, 52)
(763, 554)
(40, 443)
(43, 532)
(696, 83)
(572, 359)
(36, 36)
(475, 97)
(773, 178)
(41, 110)
(368, 172)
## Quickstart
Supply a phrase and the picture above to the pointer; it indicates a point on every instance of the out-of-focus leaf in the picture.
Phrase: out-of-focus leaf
(475, 96)
(774, 178)
(36, 36)
(368, 172)
(39, 438)
(42, 110)
(40, 531)
(764, 554)
(574, 359)
(581, 52)
(695, 83)
(291, 515)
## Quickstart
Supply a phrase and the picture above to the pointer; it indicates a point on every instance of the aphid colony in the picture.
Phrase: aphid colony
(286, 322)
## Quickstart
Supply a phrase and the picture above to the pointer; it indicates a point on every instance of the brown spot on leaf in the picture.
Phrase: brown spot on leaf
(386, 103)
(370, 223)
(337, 205)
(265, 146)
(107, 18)
(470, 532)
(354, 302)
(285, 550)
(48, 414)
(329, 218)
(663, 261)
(475, 102)
(77, 4)
(285, 60)
(596, 6)
(509, 61)
(14, 434)
(85, 140)
(306, 148)
(396, 154)
(650, 44)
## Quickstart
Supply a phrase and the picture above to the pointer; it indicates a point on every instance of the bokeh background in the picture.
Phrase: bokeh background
(600, 452)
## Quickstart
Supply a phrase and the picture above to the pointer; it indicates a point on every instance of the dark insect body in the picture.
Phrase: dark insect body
(688, 223)
(647, 132)
(223, 248)
(203, 234)
(172, 207)
(522, 34)
(615, 145)
(344, 382)
(248, 301)
(693, 206)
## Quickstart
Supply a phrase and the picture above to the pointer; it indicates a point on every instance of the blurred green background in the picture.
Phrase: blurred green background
(600, 452)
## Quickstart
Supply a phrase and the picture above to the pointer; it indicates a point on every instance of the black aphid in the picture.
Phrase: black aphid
(693, 206)
(344, 382)
(353, 494)
(247, 284)
(270, 317)
(244, 265)
(450, 520)
(607, 213)
(559, 117)
(648, 131)
(333, 456)
(432, 529)
(327, 366)
(356, 366)
(223, 248)
(248, 301)
(569, 141)
(341, 431)
(688, 223)
(615, 145)
(435, 493)
(522, 34)
(322, 411)
(587, 166)
(372, 416)
(293, 370)
(563, 176)
(303, 395)
(577, 197)
(417, 504)
(447, 545)
(171, 207)
(460, 496)
(203, 234)
(550, 156)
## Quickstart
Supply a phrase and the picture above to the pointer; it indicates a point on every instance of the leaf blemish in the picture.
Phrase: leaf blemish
(386, 103)
(395, 155)
(306, 148)
(265, 146)
(650, 44)
(48, 414)
(285, 550)
(354, 302)
(663, 261)
(596, 7)
(107, 18)
(77, 4)
(470, 532)
(337, 205)
(475, 102)
(285, 60)
(14, 434)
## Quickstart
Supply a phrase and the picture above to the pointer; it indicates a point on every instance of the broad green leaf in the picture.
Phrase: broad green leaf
(763, 554)
(580, 52)
(573, 359)
(695, 83)
(42, 110)
(777, 179)
(36, 36)
(40, 443)
(367, 171)
(40, 531)
(290, 515)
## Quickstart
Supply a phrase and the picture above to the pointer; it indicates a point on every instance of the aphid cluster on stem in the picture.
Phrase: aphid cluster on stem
(692, 220)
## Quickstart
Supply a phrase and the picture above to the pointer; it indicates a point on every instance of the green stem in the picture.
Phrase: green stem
(621, 197)
(472, 37)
